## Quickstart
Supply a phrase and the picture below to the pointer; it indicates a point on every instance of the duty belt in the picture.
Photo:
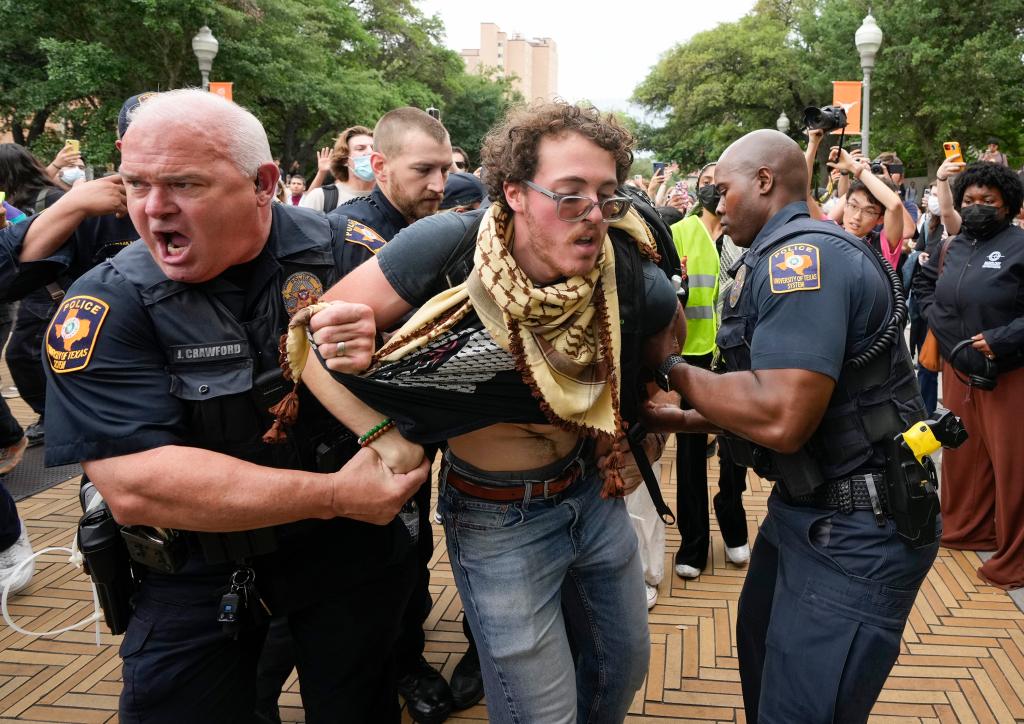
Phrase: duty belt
(857, 492)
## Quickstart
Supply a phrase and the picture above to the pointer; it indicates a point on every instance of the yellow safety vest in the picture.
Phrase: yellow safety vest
(693, 241)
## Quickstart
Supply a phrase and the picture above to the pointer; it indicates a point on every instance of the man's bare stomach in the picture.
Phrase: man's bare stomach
(513, 447)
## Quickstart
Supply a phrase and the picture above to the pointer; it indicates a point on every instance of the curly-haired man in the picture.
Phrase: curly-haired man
(520, 369)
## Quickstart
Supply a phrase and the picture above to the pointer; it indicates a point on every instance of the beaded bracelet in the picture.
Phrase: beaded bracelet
(376, 431)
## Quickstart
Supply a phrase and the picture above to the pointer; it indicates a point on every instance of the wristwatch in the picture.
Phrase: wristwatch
(661, 376)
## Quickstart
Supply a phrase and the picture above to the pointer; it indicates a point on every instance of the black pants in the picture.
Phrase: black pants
(10, 431)
(24, 356)
(692, 495)
(278, 657)
(179, 665)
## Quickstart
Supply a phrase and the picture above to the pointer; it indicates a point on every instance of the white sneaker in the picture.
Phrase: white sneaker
(685, 571)
(739, 555)
(10, 560)
(652, 595)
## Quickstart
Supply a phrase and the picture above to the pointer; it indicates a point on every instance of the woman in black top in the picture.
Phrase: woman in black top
(976, 309)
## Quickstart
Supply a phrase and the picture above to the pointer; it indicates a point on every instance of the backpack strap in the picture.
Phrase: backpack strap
(40, 204)
(330, 197)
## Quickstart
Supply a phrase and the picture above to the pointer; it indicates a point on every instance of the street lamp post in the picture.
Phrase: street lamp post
(869, 40)
(782, 123)
(204, 45)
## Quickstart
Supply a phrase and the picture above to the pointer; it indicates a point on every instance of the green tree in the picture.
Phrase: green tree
(721, 84)
(946, 71)
(306, 68)
(472, 105)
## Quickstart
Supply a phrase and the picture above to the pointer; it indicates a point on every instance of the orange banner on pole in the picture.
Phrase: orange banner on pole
(224, 89)
(846, 93)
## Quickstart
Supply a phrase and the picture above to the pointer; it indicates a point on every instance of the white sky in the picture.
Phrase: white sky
(605, 49)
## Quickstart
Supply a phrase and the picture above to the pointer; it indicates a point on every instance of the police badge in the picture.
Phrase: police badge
(300, 290)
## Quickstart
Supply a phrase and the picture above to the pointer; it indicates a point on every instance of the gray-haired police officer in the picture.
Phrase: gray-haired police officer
(162, 363)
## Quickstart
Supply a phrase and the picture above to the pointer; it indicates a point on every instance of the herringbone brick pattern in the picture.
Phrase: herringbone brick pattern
(962, 657)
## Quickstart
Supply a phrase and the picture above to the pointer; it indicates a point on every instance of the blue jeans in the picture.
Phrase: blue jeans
(824, 604)
(535, 573)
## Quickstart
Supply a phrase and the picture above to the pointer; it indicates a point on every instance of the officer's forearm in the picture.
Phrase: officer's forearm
(778, 409)
(194, 489)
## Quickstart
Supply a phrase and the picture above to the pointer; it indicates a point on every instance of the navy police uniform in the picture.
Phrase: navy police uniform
(136, 362)
(830, 583)
(372, 222)
(39, 284)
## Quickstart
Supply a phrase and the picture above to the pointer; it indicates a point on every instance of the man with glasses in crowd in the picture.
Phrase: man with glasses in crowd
(460, 160)
(519, 369)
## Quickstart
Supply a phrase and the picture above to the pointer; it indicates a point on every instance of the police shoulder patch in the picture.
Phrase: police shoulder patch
(359, 233)
(300, 290)
(73, 332)
(795, 268)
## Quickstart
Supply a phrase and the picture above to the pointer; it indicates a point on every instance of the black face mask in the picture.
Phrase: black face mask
(981, 221)
(709, 197)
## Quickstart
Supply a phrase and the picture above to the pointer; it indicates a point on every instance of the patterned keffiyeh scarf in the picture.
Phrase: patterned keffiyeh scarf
(564, 337)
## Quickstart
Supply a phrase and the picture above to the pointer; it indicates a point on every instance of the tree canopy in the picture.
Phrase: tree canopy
(306, 68)
(945, 71)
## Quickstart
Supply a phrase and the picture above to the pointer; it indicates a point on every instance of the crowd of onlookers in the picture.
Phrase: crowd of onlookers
(953, 242)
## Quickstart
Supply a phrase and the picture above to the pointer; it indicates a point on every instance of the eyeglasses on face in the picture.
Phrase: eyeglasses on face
(461, 165)
(569, 207)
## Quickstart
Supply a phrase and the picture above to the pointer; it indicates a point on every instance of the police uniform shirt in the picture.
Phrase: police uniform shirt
(94, 240)
(817, 300)
(109, 380)
(372, 222)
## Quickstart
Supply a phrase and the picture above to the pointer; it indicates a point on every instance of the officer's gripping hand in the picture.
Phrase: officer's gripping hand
(668, 341)
(367, 490)
(344, 335)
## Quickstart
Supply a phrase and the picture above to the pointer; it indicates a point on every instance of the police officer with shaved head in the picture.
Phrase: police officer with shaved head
(819, 384)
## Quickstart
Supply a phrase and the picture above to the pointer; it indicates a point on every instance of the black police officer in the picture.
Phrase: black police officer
(832, 578)
(161, 365)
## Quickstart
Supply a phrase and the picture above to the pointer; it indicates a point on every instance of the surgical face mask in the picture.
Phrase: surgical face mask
(982, 221)
(709, 197)
(933, 205)
(361, 168)
(70, 174)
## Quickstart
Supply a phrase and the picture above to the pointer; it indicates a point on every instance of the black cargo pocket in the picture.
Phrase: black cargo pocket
(135, 637)
(206, 381)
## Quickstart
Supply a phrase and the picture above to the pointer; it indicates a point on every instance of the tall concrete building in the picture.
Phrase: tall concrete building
(532, 63)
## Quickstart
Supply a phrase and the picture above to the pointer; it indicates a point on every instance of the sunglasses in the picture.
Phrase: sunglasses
(461, 165)
(576, 208)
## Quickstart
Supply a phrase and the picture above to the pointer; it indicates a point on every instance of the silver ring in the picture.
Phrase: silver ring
(339, 350)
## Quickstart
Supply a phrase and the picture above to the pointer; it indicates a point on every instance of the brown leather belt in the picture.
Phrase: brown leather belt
(514, 492)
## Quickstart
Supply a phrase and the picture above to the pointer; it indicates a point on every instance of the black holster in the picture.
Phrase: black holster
(107, 562)
(799, 473)
(913, 500)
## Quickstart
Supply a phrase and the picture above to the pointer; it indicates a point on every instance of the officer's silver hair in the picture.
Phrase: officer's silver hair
(244, 137)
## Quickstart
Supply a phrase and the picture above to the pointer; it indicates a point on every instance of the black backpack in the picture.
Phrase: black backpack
(330, 197)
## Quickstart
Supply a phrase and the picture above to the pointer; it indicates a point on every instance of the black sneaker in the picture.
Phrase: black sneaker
(35, 433)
